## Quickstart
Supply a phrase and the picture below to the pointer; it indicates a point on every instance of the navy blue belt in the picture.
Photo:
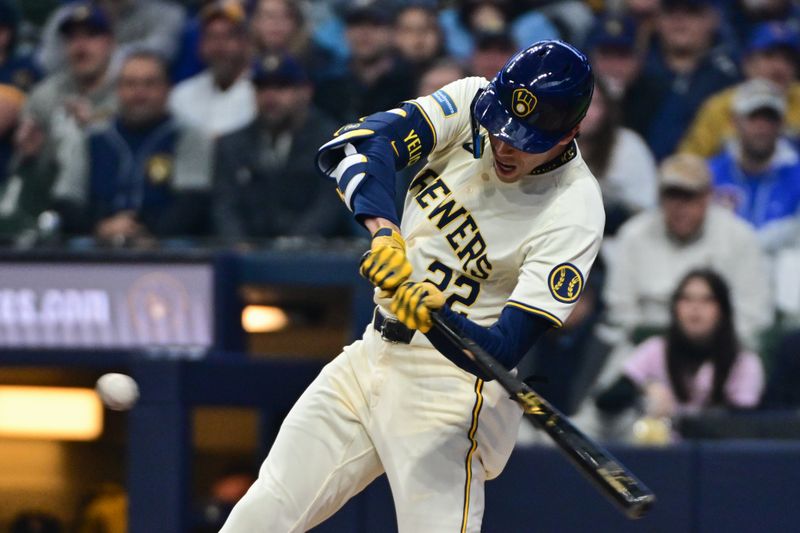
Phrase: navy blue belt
(391, 329)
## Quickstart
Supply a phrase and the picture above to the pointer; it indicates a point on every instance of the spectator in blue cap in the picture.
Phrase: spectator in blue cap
(135, 24)
(686, 67)
(83, 93)
(16, 68)
(773, 53)
(616, 49)
(264, 187)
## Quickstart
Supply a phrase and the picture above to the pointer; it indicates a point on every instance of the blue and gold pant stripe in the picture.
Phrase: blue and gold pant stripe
(476, 411)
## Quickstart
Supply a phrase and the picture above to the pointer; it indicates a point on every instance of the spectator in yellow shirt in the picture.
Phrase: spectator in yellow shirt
(773, 54)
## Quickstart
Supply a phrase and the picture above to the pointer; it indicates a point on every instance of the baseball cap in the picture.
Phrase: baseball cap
(232, 10)
(280, 71)
(771, 35)
(84, 15)
(758, 94)
(613, 31)
(687, 172)
(368, 12)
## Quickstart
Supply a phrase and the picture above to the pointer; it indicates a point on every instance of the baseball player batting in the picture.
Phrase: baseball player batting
(499, 231)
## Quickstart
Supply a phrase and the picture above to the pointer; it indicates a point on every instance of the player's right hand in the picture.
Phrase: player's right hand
(385, 265)
(414, 302)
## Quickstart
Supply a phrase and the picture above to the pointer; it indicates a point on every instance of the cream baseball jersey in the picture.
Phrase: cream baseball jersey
(487, 244)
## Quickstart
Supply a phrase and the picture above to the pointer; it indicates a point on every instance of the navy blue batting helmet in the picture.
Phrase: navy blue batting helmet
(537, 98)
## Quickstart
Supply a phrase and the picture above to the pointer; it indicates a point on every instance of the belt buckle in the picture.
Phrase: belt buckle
(386, 322)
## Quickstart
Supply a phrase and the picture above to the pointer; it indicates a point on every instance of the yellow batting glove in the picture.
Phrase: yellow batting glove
(385, 265)
(413, 303)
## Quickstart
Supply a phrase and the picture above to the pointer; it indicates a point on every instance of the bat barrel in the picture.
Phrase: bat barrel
(640, 506)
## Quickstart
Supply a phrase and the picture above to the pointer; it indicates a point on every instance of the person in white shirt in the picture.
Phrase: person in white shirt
(619, 157)
(657, 247)
(220, 99)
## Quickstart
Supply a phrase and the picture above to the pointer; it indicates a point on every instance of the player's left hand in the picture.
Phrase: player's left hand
(413, 303)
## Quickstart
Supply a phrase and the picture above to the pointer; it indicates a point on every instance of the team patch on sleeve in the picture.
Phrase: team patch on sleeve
(445, 102)
(566, 283)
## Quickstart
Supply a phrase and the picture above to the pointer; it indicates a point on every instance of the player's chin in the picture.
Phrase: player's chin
(507, 173)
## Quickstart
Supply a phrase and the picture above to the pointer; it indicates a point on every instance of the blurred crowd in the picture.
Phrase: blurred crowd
(140, 123)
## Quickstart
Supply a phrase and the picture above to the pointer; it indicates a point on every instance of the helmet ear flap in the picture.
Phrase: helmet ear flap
(477, 138)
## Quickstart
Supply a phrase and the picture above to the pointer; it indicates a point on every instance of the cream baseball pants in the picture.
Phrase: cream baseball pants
(436, 431)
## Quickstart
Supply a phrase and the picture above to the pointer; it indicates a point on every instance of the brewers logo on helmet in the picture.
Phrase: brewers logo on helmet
(523, 102)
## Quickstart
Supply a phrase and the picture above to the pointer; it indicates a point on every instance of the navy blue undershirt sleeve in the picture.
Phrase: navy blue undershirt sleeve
(375, 196)
(388, 142)
(508, 339)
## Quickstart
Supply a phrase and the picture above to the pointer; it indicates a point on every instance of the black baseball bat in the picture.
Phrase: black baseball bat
(632, 496)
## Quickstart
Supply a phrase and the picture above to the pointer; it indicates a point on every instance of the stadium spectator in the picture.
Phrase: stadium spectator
(572, 18)
(279, 28)
(491, 53)
(55, 113)
(697, 364)
(645, 13)
(619, 159)
(375, 79)
(143, 174)
(440, 74)
(617, 48)
(153, 24)
(220, 99)
(475, 17)
(681, 72)
(772, 54)
(758, 173)
(654, 249)
(16, 68)
(14, 205)
(418, 37)
(783, 386)
(11, 101)
(615, 52)
(743, 16)
(261, 189)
